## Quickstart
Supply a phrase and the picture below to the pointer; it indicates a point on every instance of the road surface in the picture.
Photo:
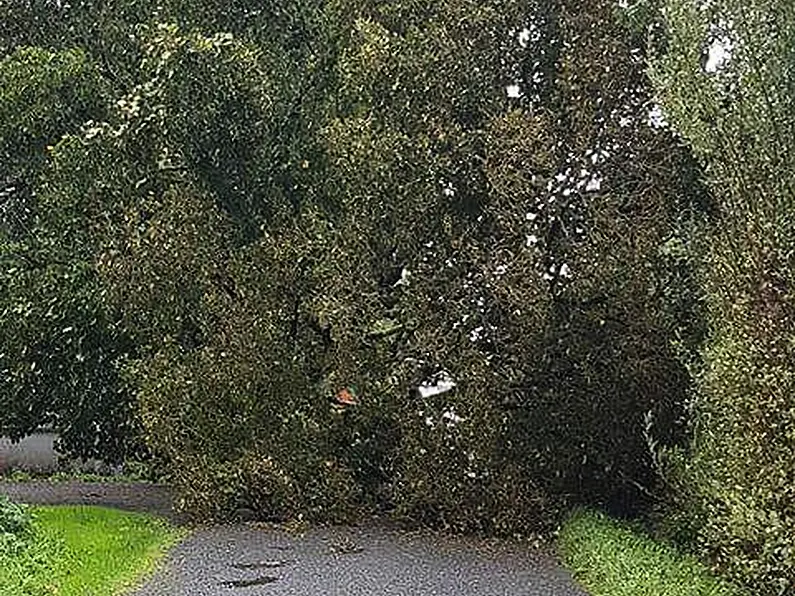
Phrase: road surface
(375, 558)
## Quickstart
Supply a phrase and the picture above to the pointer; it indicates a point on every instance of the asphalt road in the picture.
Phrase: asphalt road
(370, 560)
(130, 496)
(373, 559)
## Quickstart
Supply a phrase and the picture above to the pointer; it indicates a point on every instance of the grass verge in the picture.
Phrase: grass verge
(609, 558)
(83, 551)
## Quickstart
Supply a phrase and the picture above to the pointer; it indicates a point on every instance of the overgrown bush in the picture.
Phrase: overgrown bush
(14, 518)
(727, 88)
(16, 525)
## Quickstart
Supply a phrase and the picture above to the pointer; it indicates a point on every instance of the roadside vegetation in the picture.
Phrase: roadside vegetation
(612, 558)
(77, 551)
(133, 471)
(475, 263)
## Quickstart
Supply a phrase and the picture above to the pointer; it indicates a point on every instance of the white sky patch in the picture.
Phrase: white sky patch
(657, 117)
(718, 54)
(405, 275)
(524, 37)
(594, 184)
(451, 418)
(597, 156)
(513, 91)
(475, 334)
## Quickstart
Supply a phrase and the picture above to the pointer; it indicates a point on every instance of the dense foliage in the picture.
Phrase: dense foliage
(512, 243)
(14, 518)
(727, 84)
(59, 344)
(469, 218)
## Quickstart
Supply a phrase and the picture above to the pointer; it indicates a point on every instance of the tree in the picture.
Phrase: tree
(276, 205)
(505, 197)
(57, 345)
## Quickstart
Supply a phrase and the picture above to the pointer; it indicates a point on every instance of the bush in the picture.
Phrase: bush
(727, 88)
(14, 518)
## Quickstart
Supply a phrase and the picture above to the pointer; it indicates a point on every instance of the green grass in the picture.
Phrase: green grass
(83, 551)
(611, 559)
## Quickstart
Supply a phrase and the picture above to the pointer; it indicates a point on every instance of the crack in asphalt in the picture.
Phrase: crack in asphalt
(261, 564)
(247, 583)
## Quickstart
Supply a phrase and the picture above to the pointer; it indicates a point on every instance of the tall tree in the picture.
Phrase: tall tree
(58, 347)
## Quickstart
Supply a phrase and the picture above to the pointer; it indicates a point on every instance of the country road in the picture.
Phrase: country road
(367, 560)
(374, 558)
